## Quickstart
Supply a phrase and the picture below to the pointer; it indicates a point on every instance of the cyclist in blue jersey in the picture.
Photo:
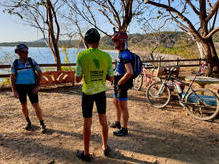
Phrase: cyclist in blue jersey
(25, 76)
(122, 82)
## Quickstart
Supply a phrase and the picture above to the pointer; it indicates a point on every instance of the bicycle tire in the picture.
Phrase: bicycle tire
(138, 82)
(203, 104)
(155, 99)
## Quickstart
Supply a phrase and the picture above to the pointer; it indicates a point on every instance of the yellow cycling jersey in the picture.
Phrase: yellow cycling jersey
(93, 65)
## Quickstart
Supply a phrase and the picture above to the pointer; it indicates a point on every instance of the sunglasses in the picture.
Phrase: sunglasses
(23, 51)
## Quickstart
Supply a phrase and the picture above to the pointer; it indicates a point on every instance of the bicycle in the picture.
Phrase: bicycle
(146, 76)
(201, 104)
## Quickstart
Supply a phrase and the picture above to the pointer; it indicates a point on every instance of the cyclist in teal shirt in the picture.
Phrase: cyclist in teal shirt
(25, 76)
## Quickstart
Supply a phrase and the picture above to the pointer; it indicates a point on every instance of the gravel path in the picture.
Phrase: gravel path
(156, 136)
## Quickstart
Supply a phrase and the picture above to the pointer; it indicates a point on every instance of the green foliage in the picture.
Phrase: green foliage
(66, 60)
(7, 59)
(183, 51)
(47, 69)
(4, 82)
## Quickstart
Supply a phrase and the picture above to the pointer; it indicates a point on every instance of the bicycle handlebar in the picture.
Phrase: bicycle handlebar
(170, 70)
(148, 66)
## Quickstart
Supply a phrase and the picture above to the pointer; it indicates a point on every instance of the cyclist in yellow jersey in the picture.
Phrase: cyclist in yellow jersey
(94, 67)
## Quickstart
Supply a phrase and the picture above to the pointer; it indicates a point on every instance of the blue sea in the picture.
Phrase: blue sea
(42, 55)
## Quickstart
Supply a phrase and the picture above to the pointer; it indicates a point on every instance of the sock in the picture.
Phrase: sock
(41, 122)
(28, 120)
(117, 122)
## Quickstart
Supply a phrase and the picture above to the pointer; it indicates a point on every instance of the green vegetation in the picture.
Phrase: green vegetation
(66, 60)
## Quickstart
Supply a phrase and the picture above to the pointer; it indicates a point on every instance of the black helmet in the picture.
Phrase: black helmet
(92, 36)
(19, 47)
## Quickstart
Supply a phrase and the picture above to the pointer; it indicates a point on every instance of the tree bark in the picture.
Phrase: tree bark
(51, 35)
(207, 51)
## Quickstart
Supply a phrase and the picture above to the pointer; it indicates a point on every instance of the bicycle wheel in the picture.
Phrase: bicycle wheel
(137, 82)
(202, 104)
(158, 94)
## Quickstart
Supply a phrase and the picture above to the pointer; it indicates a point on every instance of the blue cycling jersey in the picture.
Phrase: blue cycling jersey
(124, 57)
(25, 74)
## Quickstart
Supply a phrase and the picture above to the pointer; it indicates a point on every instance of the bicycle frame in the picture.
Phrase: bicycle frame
(172, 78)
(147, 74)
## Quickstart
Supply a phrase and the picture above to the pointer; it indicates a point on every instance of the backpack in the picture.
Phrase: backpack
(15, 64)
(136, 65)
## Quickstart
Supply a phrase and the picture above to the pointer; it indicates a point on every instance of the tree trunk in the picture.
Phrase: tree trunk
(207, 51)
(57, 57)
(51, 34)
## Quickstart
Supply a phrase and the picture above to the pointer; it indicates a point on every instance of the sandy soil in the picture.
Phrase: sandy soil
(156, 136)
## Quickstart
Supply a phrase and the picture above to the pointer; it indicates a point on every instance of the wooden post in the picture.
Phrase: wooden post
(160, 62)
(200, 61)
(177, 62)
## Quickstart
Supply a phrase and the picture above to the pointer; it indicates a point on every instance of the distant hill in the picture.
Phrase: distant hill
(166, 42)
(41, 43)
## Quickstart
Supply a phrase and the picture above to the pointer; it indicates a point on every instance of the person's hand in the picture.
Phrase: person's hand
(15, 93)
(118, 87)
(36, 89)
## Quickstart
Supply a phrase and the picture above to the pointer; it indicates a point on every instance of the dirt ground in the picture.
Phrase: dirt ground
(156, 136)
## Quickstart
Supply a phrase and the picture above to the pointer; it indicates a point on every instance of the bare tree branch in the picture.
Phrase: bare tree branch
(193, 7)
(171, 9)
(213, 11)
(211, 33)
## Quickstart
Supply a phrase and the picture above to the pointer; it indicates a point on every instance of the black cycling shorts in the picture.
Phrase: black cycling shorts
(88, 102)
(121, 92)
(24, 90)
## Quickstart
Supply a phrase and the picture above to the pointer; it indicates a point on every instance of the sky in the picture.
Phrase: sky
(11, 29)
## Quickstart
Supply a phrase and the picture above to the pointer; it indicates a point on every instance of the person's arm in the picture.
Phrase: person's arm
(38, 72)
(38, 76)
(78, 70)
(109, 76)
(127, 75)
(78, 79)
(13, 88)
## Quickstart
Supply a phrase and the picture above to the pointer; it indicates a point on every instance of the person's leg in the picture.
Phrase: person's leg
(104, 134)
(116, 124)
(100, 100)
(35, 103)
(85, 155)
(39, 116)
(118, 110)
(28, 125)
(38, 111)
(25, 109)
(22, 92)
(125, 114)
(86, 135)
(87, 107)
(104, 129)
(122, 102)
